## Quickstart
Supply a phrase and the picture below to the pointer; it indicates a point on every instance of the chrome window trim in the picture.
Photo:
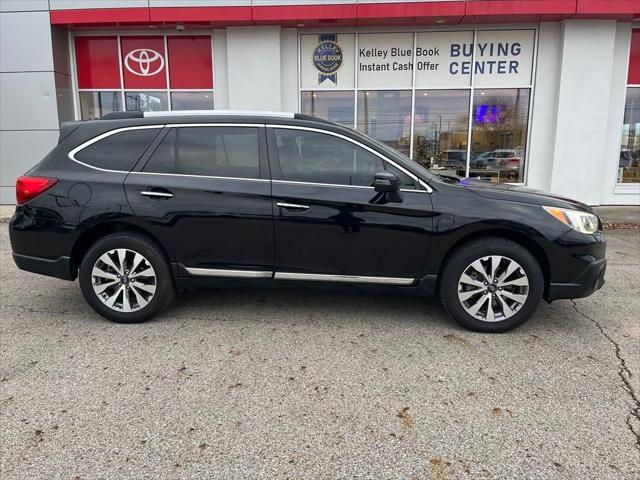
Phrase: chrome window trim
(342, 278)
(339, 185)
(361, 145)
(221, 272)
(265, 180)
(82, 146)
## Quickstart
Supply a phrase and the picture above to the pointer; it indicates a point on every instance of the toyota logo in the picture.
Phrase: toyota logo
(144, 62)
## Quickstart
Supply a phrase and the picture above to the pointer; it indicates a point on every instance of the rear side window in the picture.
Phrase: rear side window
(208, 151)
(119, 151)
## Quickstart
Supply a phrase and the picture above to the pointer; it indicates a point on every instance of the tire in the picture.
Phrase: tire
(509, 292)
(137, 295)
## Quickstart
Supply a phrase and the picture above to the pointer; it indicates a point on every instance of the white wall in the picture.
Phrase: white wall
(29, 112)
(220, 70)
(583, 106)
(253, 64)
(545, 103)
(611, 193)
(289, 70)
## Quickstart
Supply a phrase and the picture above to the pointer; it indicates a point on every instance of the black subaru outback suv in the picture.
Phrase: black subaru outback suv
(141, 205)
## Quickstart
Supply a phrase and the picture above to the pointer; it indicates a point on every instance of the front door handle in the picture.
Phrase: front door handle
(293, 206)
(157, 194)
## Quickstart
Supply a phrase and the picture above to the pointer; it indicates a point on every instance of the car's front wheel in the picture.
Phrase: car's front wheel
(491, 285)
(126, 278)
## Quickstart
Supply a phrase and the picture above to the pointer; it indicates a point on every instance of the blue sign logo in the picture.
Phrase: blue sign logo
(327, 58)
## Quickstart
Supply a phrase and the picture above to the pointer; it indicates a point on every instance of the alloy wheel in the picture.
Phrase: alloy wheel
(493, 288)
(123, 280)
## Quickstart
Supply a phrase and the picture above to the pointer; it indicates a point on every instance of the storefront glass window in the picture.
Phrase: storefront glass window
(144, 72)
(629, 165)
(440, 130)
(386, 115)
(499, 134)
(94, 105)
(146, 101)
(333, 106)
(453, 101)
(192, 101)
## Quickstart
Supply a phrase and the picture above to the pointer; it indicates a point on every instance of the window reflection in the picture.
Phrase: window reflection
(440, 130)
(386, 115)
(629, 164)
(146, 101)
(191, 100)
(94, 105)
(499, 134)
(336, 107)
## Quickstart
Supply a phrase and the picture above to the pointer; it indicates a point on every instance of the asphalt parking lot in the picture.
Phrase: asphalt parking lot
(299, 383)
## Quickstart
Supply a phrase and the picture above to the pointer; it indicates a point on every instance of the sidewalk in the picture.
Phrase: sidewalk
(6, 212)
(620, 216)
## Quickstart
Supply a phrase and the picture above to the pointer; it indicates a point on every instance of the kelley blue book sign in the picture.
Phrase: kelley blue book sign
(499, 58)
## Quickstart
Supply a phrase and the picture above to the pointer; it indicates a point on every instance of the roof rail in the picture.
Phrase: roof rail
(219, 113)
(121, 115)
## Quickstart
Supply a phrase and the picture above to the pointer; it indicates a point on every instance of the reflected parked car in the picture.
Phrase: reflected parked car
(454, 159)
(507, 159)
(483, 160)
(629, 158)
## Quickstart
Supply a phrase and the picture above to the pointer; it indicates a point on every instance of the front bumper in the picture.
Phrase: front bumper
(59, 267)
(585, 283)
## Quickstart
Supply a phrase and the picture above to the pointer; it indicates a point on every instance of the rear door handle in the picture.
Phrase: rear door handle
(293, 206)
(159, 194)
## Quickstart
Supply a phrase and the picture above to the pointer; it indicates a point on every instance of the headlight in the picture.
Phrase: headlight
(581, 221)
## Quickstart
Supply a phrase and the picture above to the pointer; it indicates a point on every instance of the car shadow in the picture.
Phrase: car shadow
(301, 303)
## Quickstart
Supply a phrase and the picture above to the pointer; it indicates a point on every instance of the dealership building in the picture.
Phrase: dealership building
(544, 93)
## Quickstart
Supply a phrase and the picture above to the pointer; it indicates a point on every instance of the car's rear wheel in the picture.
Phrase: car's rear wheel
(126, 278)
(491, 285)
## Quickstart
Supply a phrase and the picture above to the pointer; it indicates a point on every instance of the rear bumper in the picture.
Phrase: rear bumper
(59, 267)
(585, 283)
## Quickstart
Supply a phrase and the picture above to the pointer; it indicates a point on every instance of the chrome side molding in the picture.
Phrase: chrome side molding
(317, 277)
(219, 272)
(311, 277)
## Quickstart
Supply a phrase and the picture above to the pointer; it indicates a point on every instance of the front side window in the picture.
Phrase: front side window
(322, 158)
(119, 151)
(208, 151)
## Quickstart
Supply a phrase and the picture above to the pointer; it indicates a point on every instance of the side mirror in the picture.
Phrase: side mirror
(386, 182)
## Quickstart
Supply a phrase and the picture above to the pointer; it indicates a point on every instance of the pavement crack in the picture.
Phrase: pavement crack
(625, 375)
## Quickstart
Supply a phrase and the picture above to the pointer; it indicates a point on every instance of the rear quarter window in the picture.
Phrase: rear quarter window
(119, 151)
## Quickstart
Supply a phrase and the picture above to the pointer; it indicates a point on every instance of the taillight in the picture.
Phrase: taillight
(28, 188)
